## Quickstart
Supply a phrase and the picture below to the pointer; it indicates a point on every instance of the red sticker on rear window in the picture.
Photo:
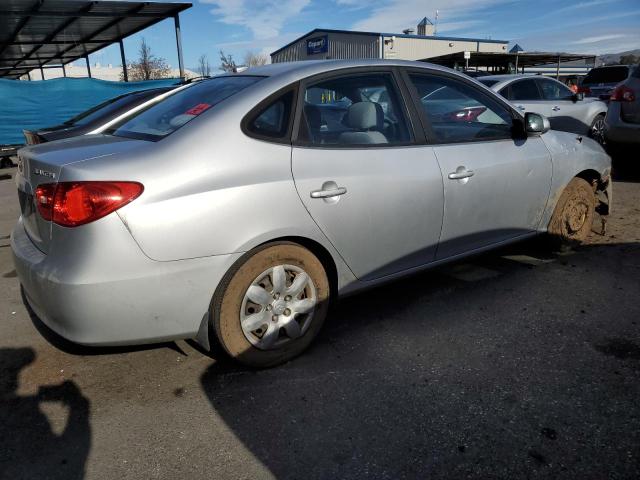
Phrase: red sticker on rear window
(198, 109)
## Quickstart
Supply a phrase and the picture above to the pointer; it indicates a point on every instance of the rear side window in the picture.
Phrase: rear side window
(606, 75)
(458, 112)
(524, 90)
(273, 120)
(160, 119)
(354, 110)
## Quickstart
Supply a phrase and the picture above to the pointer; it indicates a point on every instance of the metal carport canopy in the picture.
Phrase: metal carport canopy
(38, 33)
(502, 61)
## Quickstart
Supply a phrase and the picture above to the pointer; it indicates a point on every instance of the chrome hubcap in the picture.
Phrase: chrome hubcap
(278, 307)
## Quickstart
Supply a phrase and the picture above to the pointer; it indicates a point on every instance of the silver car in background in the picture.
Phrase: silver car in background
(567, 111)
(238, 208)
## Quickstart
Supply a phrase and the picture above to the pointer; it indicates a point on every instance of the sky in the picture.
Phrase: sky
(238, 26)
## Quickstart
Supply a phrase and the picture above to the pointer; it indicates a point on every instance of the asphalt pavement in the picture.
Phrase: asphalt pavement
(520, 363)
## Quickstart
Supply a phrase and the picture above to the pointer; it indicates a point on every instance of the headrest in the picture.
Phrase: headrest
(365, 116)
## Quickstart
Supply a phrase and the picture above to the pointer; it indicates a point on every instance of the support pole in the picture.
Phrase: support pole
(558, 69)
(64, 71)
(42, 73)
(29, 76)
(86, 59)
(125, 75)
(516, 63)
(176, 20)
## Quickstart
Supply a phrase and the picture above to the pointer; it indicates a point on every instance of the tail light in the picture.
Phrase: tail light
(622, 93)
(585, 90)
(71, 204)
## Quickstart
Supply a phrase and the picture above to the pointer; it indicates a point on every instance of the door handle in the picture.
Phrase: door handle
(334, 192)
(555, 108)
(459, 174)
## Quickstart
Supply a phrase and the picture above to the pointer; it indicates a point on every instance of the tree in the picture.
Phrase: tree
(204, 69)
(629, 59)
(253, 59)
(147, 66)
(227, 63)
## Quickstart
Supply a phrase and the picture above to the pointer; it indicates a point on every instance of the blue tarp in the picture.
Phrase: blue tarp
(45, 103)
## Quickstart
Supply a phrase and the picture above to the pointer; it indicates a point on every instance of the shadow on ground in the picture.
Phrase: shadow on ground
(520, 365)
(29, 446)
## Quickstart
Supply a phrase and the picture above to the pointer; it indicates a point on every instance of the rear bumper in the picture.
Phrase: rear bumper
(151, 302)
(619, 131)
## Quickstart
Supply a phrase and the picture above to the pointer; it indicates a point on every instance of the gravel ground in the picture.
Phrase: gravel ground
(521, 363)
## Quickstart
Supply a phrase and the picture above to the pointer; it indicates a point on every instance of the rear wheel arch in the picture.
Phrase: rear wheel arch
(320, 251)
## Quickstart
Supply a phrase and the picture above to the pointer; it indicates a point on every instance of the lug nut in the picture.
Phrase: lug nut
(276, 296)
(274, 318)
(287, 298)
(287, 312)
(269, 307)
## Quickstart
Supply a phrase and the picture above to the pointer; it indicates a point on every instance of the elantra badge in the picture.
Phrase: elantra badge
(44, 173)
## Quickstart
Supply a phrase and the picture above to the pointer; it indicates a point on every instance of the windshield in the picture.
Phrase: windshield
(488, 83)
(606, 75)
(160, 119)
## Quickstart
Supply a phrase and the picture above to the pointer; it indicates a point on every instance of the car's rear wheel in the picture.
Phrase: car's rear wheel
(271, 304)
(596, 130)
(573, 216)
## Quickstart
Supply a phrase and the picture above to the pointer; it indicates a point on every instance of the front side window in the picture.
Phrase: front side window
(524, 90)
(458, 112)
(554, 90)
(354, 110)
(160, 119)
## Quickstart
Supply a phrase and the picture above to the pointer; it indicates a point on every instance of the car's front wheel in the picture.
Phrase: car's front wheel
(271, 304)
(573, 216)
(596, 130)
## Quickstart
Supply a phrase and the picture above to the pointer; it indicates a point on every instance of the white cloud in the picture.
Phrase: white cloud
(396, 15)
(265, 18)
(599, 38)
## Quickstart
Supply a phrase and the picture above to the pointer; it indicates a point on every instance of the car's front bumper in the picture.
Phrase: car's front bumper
(93, 305)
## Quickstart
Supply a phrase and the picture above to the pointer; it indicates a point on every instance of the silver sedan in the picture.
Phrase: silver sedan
(237, 209)
(567, 111)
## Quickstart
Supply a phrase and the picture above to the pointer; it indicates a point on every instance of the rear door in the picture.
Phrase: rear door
(527, 97)
(495, 186)
(364, 173)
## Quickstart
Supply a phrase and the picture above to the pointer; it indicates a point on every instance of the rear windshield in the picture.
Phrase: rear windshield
(488, 83)
(606, 75)
(110, 106)
(160, 119)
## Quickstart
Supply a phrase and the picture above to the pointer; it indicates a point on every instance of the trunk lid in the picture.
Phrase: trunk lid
(43, 163)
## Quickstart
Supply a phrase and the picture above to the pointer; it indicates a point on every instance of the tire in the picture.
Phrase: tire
(596, 129)
(573, 216)
(233, 311)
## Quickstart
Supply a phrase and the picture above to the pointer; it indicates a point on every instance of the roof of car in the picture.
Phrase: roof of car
(506, 77)
(305, 68)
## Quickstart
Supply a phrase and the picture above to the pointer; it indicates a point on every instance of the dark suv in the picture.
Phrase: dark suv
(622, 124)
(601, 81)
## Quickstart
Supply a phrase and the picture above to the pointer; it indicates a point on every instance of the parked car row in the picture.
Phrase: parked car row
(237, 209)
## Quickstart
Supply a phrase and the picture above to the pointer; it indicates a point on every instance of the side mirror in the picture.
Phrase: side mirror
(536, 124)
(577, 97)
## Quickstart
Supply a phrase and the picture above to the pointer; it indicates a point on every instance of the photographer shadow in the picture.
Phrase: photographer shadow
(29, 446)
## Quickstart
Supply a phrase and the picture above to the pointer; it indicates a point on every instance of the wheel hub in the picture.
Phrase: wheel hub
(278, 307)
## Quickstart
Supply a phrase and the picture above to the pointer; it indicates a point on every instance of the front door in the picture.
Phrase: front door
(495, 187)
(374, 193)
